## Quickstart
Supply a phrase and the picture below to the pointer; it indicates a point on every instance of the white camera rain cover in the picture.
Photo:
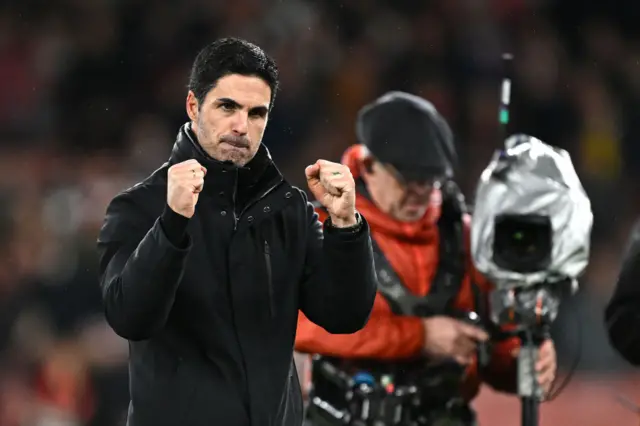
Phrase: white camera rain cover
(540, 180)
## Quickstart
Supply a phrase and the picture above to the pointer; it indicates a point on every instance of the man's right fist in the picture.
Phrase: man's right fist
(184, 184)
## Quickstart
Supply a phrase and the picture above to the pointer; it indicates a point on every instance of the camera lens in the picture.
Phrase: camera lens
(522, 243)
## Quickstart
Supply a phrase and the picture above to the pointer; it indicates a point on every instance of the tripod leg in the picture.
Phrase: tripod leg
(529, 411)
(528, 387)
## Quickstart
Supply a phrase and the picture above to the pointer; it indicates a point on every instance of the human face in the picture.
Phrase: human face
(230, 122)
(404, 201)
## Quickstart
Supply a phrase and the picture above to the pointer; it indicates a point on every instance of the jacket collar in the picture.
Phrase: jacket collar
(260, 170)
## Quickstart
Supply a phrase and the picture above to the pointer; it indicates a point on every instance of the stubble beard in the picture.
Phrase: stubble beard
(222, 152)
(240, 159)
(226, 154)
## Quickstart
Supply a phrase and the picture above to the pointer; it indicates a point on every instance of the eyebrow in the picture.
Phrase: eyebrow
(262, 110)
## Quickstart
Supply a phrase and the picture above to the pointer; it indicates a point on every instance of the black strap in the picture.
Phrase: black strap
(451, 265)
(447, 281)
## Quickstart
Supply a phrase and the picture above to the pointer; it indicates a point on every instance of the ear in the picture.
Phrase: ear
(193, 107)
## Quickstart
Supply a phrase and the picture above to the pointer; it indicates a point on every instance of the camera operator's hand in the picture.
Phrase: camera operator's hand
(546, 365)
(447, 337)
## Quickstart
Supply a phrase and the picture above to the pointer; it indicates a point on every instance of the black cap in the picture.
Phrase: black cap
(407, 132)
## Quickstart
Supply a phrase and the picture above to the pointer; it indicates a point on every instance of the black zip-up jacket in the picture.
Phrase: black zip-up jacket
(210, 304)
(622, 315)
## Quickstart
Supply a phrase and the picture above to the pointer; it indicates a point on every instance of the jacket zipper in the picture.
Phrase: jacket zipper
(267, 261)
(237, 216)
(255, 200)
(233, 200)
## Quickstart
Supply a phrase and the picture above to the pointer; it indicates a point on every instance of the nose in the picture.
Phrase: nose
(240, 124)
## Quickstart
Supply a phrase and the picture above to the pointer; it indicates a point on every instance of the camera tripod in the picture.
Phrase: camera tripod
(528, 388)
(528, 313)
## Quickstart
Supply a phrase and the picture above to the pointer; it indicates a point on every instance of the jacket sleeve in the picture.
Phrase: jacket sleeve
(622, 314)
(140, 266)
(339, 283)
(385, 336)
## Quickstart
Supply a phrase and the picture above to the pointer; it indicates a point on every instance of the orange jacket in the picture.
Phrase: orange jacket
(412, 250)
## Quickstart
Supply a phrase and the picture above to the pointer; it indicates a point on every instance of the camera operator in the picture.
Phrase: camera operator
(403, 168)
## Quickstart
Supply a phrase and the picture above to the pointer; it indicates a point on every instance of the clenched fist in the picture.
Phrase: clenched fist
(333, 186)
(184, 184)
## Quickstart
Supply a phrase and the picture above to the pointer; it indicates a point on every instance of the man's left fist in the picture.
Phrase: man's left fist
(333, 186)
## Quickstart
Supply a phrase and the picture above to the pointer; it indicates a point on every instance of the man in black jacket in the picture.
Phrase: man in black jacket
(204, 265)
(623, 312)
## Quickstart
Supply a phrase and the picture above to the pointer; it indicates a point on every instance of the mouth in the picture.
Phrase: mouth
(415, 206)
(234, 144)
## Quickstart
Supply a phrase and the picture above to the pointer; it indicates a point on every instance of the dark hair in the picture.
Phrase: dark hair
(231, 56)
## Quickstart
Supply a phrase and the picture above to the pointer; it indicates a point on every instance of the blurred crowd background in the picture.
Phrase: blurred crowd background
(92, 94)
